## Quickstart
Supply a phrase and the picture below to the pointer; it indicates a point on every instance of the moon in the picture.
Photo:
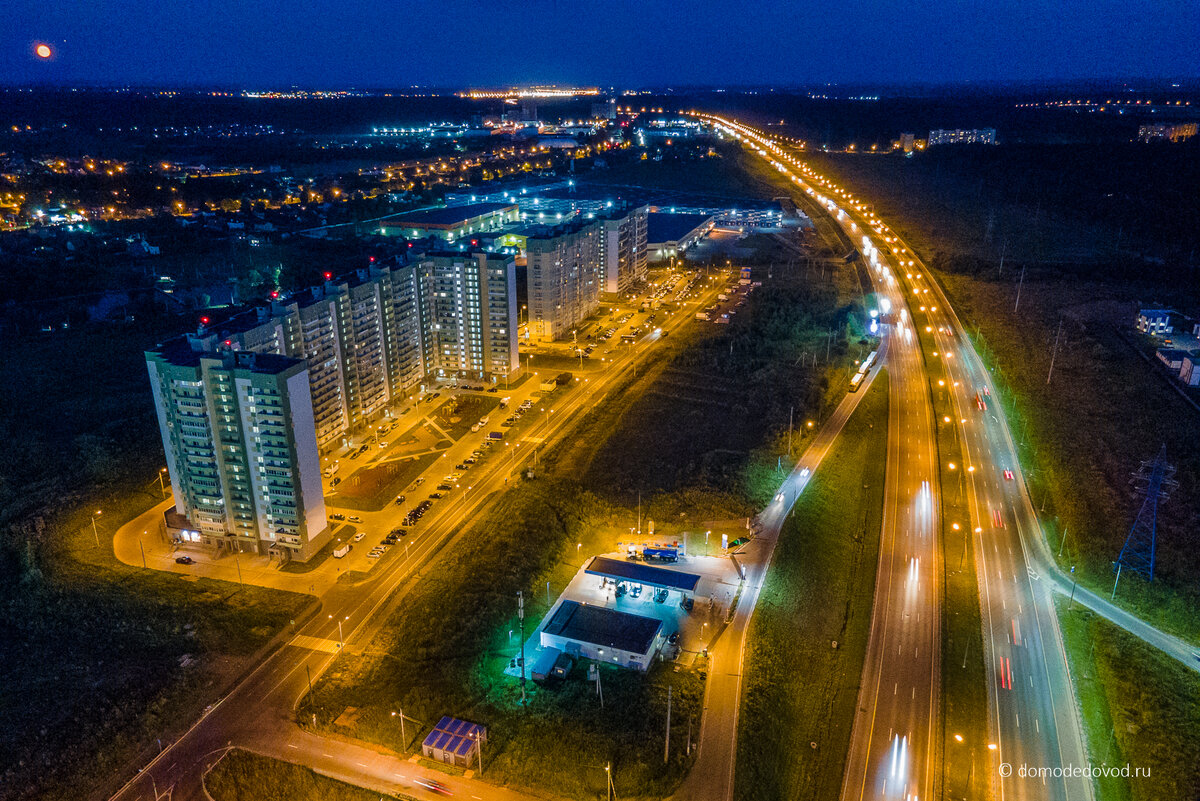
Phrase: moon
(43, 51)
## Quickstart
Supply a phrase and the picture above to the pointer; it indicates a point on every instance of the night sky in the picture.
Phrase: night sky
(372, 43)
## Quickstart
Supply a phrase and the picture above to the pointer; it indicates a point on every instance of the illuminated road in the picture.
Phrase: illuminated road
(711, 777)
(894, 750)
(1032, 717)
(259, 714)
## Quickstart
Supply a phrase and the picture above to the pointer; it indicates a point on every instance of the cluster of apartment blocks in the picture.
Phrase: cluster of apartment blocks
(573, 267)
(245, 408)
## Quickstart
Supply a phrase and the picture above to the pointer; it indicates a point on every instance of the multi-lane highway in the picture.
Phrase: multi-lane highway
(259, 712)
(895, 746)
(1032, 717)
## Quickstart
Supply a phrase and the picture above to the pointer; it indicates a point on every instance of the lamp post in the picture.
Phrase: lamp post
(341, 640)
(1074, 581)
(161, 484)
(403, 736)
(95, 531)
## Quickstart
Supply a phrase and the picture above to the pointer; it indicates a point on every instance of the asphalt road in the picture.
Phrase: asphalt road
(712, 775)
(259, 713)
(895, 748)
(1033, 721)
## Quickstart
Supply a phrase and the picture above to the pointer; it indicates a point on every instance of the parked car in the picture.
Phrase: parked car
(354, 519)
(399, 499)
(435, 495)
(359, 536)
(184, 560)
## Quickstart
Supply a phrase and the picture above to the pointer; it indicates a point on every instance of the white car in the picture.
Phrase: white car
(359, 536)
(354, 519)
(804, 473)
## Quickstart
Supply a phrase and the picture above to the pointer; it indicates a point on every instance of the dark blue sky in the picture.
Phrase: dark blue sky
(337, 43)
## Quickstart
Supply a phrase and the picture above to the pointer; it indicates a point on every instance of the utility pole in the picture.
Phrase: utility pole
(639, 527)
(1054, 353)
(791, 417)
(1020, 284)
(403, 736)
(667, 742)
(1063, 544)
(521, 615)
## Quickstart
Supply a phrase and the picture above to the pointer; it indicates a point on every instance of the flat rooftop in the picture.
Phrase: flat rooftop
(601, 626)
(667, 227)
(642, 573)
(450, 215)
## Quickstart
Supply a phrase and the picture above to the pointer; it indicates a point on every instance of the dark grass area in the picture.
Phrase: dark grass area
(702, 416)
(102, 658)
(372, 488)
(457, 415)
(798, 688)
(1140, 708)
(244, 776)
(964, 697)
(444, 650)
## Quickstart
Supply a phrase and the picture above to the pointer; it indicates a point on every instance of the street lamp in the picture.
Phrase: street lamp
(341, 640)
(162, 486)
(95, 531)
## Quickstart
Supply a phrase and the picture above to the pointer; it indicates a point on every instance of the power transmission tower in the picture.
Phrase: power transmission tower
(1138, 552)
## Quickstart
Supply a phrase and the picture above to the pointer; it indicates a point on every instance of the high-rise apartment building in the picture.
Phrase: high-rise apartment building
(471, 311)
(356, 344)
(623, 249)
(565, 275)
(237, 428)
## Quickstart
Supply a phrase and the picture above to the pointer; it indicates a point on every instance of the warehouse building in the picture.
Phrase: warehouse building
(670, 235)
(603, 634)
(452, 223)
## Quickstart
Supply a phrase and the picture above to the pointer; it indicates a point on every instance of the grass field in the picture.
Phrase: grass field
(964, 699)
(798, 689)
(1140, 708)
(102, 658)
(243, 776)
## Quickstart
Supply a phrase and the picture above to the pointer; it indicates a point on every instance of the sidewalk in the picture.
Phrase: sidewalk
(141, 543)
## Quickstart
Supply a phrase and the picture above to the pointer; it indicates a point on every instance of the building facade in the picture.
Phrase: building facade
(963, 136)
(565, 274)
(470, 303)
(241, 448)
(623, 249)
(244, 407)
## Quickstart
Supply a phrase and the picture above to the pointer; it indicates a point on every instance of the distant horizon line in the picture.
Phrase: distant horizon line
(1128, 83)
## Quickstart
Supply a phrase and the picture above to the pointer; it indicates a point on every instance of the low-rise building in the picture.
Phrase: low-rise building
(1171, 132)
(669, 234)
(962, 136)
(452, 223)
(603, 634)
(1154, 321)
(1172, 358)
(455, 742)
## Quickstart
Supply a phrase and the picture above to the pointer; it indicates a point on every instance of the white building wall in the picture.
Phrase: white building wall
(308, 458)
